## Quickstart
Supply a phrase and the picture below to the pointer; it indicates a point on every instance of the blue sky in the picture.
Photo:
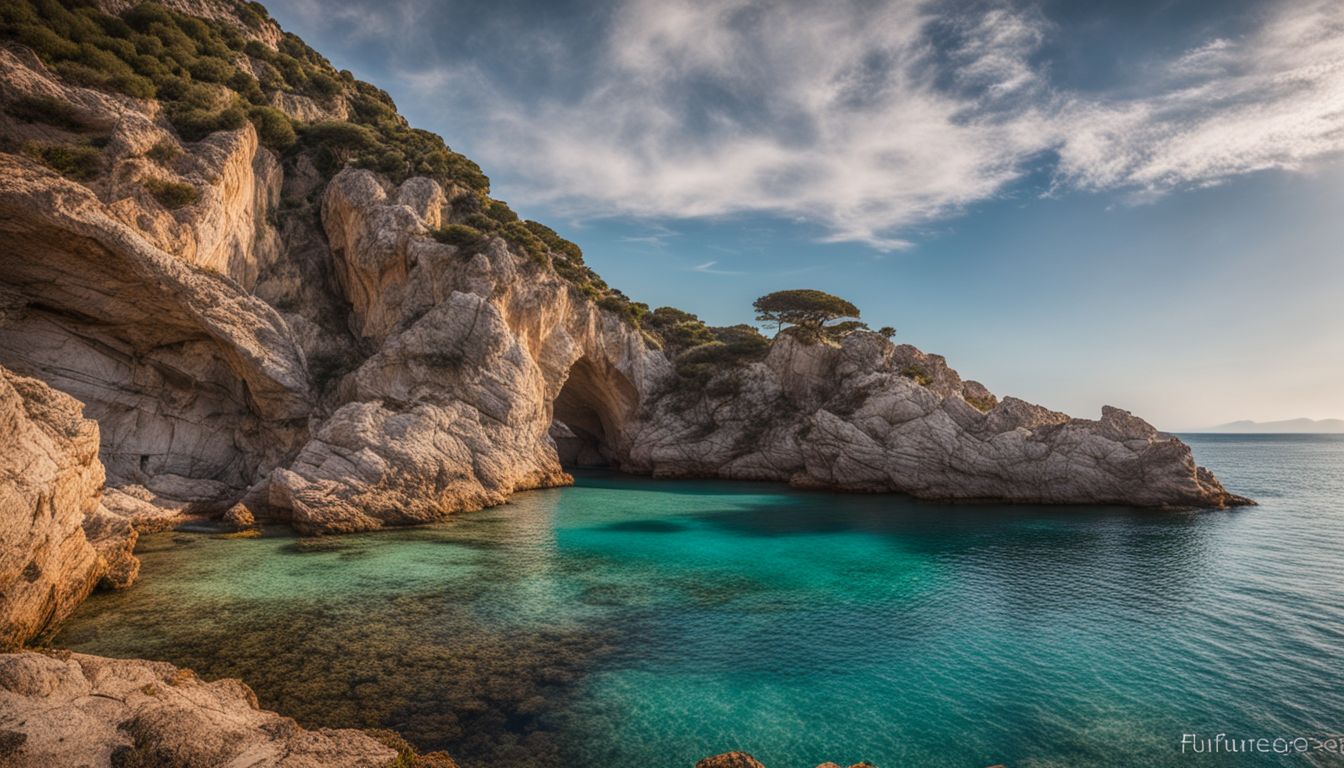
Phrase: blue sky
(1125, 203)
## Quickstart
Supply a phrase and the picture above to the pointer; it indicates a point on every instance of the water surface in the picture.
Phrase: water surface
(632, 622)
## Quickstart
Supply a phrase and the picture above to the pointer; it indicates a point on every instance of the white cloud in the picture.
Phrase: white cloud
(1272, 100)
(845, 113)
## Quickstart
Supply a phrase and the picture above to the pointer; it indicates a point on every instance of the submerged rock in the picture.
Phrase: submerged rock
(744, 760)
(730, 760)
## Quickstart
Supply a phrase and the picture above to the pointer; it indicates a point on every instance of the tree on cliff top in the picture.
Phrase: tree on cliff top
(806, 308)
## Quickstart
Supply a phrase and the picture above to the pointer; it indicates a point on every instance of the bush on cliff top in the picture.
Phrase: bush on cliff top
(805, 308)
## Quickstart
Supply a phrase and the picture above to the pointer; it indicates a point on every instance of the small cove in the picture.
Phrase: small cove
(633, 622)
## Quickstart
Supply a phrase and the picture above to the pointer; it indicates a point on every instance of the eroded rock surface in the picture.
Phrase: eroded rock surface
(50, 485)
(864, 415)
(70, 709)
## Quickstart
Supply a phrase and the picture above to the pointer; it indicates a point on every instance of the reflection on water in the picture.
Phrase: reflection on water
(630, 622)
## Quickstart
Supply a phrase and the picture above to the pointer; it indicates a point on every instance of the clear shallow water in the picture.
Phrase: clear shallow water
(630, 622)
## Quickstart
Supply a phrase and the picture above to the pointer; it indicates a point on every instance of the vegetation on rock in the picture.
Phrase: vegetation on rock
(172, 194)
(164, 152)
(79, 162)
(48, 110)
(919, 373)
(805, 308)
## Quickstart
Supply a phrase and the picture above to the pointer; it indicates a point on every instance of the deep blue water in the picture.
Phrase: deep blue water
(631, 622)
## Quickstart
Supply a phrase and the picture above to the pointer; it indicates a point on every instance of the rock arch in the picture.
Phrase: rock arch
(591, 413)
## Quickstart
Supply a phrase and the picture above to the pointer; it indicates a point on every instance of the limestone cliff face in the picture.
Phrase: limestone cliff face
(56, 538)
(453, 410)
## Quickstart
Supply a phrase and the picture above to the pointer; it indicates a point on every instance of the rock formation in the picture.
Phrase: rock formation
(57, 540)
(296, 341)
(71, 709)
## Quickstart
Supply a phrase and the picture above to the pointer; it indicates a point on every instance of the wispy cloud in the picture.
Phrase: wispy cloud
(1272, 100)
(872, 118)
(657, 236)
(708, 268)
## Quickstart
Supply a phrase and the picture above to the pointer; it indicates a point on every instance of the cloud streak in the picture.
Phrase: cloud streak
(1274, 100)
(871, 118)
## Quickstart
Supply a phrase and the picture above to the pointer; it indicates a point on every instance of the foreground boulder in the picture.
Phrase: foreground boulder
(72, 709)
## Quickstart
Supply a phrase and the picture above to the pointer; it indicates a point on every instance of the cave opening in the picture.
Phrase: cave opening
(589, 414)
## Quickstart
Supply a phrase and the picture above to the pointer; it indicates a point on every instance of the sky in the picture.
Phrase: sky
(1136, 203)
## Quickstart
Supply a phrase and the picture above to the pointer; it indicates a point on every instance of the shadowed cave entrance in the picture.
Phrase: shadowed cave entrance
(589, 414)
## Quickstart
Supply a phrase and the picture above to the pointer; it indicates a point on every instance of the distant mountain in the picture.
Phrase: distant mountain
(1297, 426)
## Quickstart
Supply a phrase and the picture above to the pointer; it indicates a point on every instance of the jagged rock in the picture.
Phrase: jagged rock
(72, 709)
(56, 539)
(866, 416)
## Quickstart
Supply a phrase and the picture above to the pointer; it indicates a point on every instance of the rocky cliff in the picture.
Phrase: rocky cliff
(57, 538)
(276, 298)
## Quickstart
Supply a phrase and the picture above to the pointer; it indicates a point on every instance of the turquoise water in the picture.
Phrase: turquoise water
(631, 622)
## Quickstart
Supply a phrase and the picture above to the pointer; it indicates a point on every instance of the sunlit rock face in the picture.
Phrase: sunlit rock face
(864, 415)
(57, 540)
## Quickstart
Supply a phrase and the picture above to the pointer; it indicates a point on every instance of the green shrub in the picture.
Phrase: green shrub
(617, 302)
(253, 15)
(164, 152)
(887, 331)
(45, 42)
(79, 162)
(918, 373)
(555, 242)
(522, 237)
(274, 128)
(322, 85)
(501, 212)
(468, 239)
(246, 86)
(195, 124)
(678, 330)
(48, 110)
(340, 136)
(211, 70)
(732, 347)
(982, 404)
(172, 194)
